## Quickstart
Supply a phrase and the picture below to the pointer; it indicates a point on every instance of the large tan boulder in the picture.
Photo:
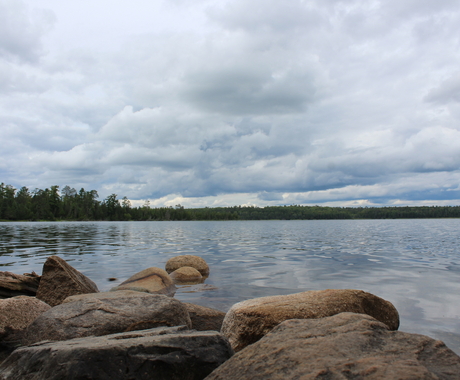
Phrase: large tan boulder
(107, 313)
(60, 280)
(344, 346)
(248, 321)
(193, 261)
(150, 280)
(17, 313)
(186, 276)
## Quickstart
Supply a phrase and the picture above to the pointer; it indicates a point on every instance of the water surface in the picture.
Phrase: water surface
(415, 264)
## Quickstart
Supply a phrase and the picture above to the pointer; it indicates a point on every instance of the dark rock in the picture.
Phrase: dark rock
(12, 285)
(150, 280)
(248, 321)
(161, 353)
(107, 313)
(188, 261)
(204, 318)
(60, 280)
(344, 346)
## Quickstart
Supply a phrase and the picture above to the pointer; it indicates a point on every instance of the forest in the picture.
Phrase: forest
(51, 204)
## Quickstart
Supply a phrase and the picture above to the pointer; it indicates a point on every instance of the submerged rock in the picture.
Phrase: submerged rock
(193, 261)
(248, 321)
(107, 313)
(161, 353)
(344, 346)
(60, 280)
(150, 280)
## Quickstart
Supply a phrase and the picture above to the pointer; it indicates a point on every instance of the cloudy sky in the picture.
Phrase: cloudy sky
(229, 102)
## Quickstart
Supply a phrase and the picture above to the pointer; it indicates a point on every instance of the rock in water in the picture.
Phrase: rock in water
(186, 276)
(107, 313)
(188, 261)
(344, 346)
(204, 318)
(248, 321)
(150, 280)
(59, 280)
(161, 353)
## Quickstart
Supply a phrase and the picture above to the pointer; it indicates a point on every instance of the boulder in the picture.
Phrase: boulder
(188, 261)
(59, 280)
(204, 318)
(248, 321)
(186, 276)
(107, 313)
(12, 285)
(150, 280)
(161, 353)
(17, 313)
(344, 346)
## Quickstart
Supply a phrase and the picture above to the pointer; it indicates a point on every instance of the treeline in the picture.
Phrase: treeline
(70, 204)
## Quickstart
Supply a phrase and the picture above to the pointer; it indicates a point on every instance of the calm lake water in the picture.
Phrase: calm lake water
(415, 264)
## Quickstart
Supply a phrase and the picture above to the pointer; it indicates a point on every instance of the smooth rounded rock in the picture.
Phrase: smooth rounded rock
(193, 261)
(344, 346)
(150, 280)
(107, 313)
(248, 321)
(186, 276)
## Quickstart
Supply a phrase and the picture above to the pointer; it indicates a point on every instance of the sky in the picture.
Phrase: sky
(233, 102)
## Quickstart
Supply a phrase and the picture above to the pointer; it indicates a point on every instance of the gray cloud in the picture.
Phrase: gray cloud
(322, 101)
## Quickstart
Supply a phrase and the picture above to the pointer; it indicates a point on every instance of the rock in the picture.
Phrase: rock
(188, 261)
(248, 321)
(59, 280)
(19, 312)
(344, 346)
(186, 276)
(107, 313)
(204, 318)
(150, 280)
(12, 285)
(15, 315)
(161, 353)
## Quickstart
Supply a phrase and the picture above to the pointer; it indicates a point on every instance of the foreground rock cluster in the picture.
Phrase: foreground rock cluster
(59, 326)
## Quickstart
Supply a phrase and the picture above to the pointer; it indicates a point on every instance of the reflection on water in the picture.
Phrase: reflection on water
(415, 264)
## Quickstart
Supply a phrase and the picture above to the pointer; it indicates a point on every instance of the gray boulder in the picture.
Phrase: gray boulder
(248, 321)
(160, 353)
(60, 280)
(344, 346)
(107, 313)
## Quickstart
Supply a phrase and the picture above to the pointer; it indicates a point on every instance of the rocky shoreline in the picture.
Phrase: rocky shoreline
(59, 326)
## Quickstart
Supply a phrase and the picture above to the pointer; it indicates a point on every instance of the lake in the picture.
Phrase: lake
(415, 264)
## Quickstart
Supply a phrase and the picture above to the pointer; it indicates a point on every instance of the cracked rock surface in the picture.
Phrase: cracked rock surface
(173, 353)
(107, 313)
